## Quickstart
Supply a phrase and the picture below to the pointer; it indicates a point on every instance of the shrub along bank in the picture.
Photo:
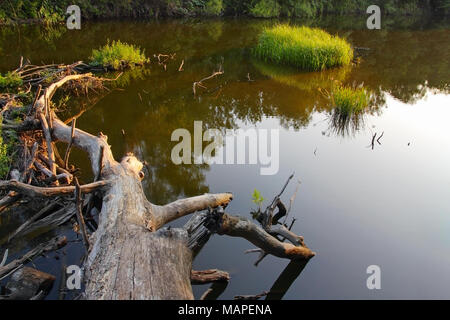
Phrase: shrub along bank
(51, 11)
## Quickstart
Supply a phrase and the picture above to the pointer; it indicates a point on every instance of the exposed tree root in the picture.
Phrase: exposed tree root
(130, 255)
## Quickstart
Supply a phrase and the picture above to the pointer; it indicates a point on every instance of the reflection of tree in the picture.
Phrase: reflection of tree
(155, 102)
(406, 64)
(162, 101)
(28, 41)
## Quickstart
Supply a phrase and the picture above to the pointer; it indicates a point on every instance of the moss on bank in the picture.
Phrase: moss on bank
(52, 11)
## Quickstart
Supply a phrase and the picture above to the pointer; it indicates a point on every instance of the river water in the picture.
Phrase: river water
(357, 206)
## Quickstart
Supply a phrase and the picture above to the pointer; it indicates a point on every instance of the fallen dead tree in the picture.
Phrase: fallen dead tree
(131, 254)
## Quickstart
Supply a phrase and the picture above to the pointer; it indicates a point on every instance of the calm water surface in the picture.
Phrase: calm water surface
(356, 207)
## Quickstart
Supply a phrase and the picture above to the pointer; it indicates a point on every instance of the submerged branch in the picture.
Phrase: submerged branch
(51, 245)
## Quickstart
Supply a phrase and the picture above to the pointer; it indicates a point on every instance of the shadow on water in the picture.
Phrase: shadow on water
(276, 292)
(286, 279)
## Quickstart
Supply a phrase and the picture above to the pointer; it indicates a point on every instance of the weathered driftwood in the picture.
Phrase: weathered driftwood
(131, 255)
(209, 276)
(80, 218)
(43, 192)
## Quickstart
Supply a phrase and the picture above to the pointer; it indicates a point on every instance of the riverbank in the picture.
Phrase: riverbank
(53, 11)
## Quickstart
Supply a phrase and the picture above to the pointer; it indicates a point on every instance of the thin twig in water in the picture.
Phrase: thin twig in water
(378, 140)
(200, 83)
(181, 66)
(66, 156)
(373, 140)
(5, 256)
(291, 201)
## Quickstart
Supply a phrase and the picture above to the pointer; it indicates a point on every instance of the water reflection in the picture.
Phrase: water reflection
(285, 280)
(404, 62)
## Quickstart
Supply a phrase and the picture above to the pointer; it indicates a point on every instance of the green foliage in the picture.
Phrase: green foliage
(349, 105)
(348, 100)
(4, 159)
(266, 9)
(258, 200)
(303, 9)
(257, 197)
(53, 11)
(302, 47)
(10, 80)
(117, 56)
(48, 14)
(213, 7)
(46, 11)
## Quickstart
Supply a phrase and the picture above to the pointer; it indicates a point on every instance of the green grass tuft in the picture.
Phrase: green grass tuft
(4, 160)
(348, 100)
(305, 48)
(117, 56)
(10, 80)
(349, 105)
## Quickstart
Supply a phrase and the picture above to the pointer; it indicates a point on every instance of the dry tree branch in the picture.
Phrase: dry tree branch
(209, 276)
(42, 192)
(200, 83)
(79, 206)
(69, 146)
(180, 69)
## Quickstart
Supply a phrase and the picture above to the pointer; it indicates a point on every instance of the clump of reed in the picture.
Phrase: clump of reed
(118, 55)
(348, 105)
(305, 48)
